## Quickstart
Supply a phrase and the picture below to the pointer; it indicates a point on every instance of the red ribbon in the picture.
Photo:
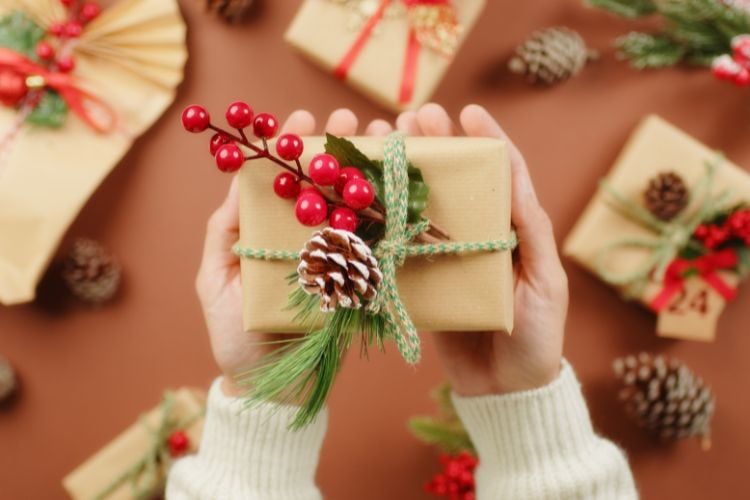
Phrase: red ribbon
(78, 100)
(409, 75)
(706, 267)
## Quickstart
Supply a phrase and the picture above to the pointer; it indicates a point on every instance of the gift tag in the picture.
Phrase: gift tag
(693, 313)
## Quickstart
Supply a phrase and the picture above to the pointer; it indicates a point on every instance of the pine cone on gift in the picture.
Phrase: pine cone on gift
(665, 397)
(7, 380)
(551, 56)
(230, 10)
(666, 195)
(90, 272)
(340, 267)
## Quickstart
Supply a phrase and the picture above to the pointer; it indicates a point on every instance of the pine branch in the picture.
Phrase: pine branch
(449, 437)
(626, 8)
(650, 51)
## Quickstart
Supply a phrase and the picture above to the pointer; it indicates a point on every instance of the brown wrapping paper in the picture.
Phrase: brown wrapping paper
(132, 56)
(654, 147)
(96, 473)
(470, 189)
(322, 31)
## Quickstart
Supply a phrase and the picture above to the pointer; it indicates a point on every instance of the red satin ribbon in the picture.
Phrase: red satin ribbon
(706, 267)
(78, 100)
(409, 75)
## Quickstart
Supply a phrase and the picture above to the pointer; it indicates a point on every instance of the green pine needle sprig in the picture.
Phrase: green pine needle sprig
(444, 430)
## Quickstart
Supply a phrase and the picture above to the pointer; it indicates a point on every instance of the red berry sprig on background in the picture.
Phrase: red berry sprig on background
(735, 227)
(735, 68)
(343, 196)
(456, 481)
(57, 50)
(178, 443)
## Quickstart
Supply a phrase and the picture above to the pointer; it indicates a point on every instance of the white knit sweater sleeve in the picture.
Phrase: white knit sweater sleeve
(249, 455)
(540, 444)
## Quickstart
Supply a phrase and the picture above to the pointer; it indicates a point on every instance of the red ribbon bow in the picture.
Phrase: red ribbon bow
(706, 267)
(89, 108)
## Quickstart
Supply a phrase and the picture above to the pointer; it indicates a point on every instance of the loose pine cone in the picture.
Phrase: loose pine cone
(340, 267)
(666, 195)
(665, 397)
(7, 380)
(230, 10)
(90, 272)
(551, 56)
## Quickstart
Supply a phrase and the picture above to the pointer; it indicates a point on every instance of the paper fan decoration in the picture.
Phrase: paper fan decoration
(77, 87)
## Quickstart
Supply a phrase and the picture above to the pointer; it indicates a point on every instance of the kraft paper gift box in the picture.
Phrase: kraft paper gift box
(470, 188)
(323, 31)
(657, 146)
(102, 475)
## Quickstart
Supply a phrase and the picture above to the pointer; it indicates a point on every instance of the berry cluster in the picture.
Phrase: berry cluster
(178, 443)
(456, 481)
(735, 68)
(735, 227)
(327, 191)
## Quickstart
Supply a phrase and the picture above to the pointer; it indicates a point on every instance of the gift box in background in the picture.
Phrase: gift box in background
(395, 52)
(469, 180)
(135, 464)
(127, 64)
(671, 230)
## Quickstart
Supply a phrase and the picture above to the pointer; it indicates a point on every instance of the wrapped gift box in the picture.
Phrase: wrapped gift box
(470, 187)
(656, 146)
(323, 31)
(103, 475)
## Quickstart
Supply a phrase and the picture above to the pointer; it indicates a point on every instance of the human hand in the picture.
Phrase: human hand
(218, 281)
(481, 363)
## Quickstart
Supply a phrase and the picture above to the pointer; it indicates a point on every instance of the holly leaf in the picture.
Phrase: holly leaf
(18, 32)
(50, 112)
(743, 254)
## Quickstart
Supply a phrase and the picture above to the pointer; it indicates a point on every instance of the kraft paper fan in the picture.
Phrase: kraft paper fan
(132, 58)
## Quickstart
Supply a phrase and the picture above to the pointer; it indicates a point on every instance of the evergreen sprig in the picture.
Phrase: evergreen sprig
(694, 31)
(444, 430)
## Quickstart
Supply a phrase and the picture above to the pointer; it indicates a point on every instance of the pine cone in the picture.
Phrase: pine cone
(666, 195)
(230, 10)
(7, 380)
(665, 397)
(90, 272)
(340, 267)
(551, 56)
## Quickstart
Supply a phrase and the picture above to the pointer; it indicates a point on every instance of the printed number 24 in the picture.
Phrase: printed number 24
(684, 303)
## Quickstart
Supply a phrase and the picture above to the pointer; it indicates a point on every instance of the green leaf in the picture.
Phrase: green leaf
(18, 32)
(50, 112)
(743, 253)
(450, 437)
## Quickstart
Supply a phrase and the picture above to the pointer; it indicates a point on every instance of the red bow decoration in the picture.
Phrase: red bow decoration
(89, 108)
(432, 24)
(706, 267)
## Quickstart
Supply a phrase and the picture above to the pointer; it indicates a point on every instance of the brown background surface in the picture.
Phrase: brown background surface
(87, 374)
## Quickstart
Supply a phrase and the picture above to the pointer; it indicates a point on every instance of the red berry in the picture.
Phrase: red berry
(741, 49)
(239, 114)
(311, 209)
(289, 147)
(56, 29)
(324, 169)
(742, 79)
(286, 186)
(178, 443)
(195, 118)
(344, 218)
(265, 126)
(345, 175)
(45, 51)
(229, 158)
(66, 64)
(67, 3)
(73, 29)
(218, 140)
(90, 11)
(13, 87)
(358, 194)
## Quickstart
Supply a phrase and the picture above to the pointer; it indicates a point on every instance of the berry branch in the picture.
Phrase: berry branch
(346, 189)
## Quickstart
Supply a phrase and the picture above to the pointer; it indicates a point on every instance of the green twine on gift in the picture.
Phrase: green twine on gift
(395, 247)
(669, 237)
(144, 476)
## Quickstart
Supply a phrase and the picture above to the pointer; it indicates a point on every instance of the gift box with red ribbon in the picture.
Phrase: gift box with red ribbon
(669, 227)
(394, 51)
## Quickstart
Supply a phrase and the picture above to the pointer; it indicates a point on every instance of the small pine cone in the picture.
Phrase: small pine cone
(230, 10)
(340, 267)
(665, 397)
(551, 56)
(90, 272)
(666, 195)
(7, 380)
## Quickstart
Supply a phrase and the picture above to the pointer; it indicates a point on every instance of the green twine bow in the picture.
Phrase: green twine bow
(671, 237)
(395, 247)
(145, 475)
